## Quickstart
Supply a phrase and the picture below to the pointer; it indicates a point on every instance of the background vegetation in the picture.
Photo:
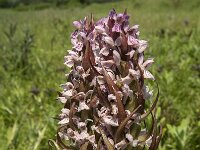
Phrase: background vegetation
(35, 36)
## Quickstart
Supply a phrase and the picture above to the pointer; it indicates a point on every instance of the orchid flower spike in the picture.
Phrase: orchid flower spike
(105, 96)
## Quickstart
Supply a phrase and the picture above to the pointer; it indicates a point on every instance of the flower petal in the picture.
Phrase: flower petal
(109, 40)
(134, 73)
(77, 24)
(116, 57)
(64, 121)
(148, 75)
(104, 51)
(99, 29)
(132, 41)
(148, 63)
(142, 46)
(116, 28)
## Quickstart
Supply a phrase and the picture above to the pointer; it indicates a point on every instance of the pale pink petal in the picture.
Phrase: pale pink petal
(68, 93)
(110, 121)
(134, 73)
(129, 137)
(62, 99)
(127, 80)
(141, 59)
(82, 106)
(108, 63)
(99, 29)
(142, 46)
(104, 51)
(109, 40)
(148, 75)
(121, 145)
(111, 97)
(64, 121)
(148, 63)
(65, 111)
(77, 24)
(116, 57)
(132, 41)
(131, 53)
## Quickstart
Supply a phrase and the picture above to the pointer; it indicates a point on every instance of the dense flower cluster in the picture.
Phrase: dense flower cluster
(104, 97)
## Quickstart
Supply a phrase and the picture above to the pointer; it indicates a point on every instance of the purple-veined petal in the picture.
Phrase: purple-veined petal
(116, 27)
(148, 75)
(74, 34)
(148, 63)
(110, 121)
(142, 46)
(69, 63)
(78, 46)
(132, 41)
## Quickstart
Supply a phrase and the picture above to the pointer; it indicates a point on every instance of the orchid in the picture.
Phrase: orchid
(105, 95)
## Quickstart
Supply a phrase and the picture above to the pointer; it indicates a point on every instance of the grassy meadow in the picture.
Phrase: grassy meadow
(33, 44)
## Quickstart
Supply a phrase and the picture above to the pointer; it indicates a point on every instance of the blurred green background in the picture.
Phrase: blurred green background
(35, 37)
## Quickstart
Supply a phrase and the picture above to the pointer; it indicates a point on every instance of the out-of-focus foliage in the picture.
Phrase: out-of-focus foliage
(32, 46)
(46, 3)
